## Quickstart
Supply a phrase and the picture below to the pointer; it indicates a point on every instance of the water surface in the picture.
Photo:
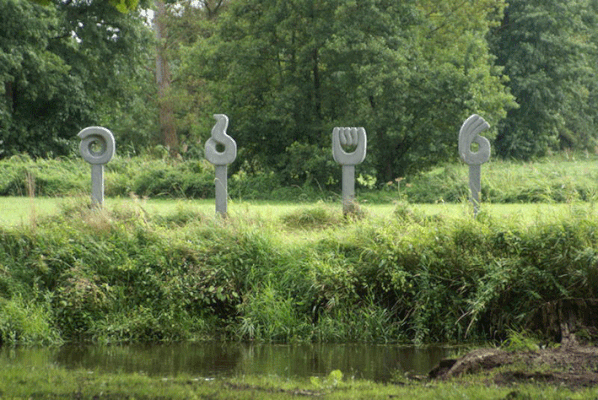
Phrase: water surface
(217, 359)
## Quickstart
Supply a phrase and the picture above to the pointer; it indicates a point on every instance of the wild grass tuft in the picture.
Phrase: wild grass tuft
(320, 216)
(27, 322)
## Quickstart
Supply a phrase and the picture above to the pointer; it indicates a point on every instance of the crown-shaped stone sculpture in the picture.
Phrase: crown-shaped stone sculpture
(356, 140)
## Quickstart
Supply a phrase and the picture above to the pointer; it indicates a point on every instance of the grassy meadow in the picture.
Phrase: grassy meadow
(26, 210)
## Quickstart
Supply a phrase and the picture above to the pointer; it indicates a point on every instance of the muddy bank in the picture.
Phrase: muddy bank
(573, 363)
(573, 366)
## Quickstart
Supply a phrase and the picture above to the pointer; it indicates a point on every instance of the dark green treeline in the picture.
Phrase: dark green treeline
(286, 72)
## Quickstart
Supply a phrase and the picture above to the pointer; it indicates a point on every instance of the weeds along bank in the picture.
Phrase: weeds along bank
(124, 275)
(556, 179)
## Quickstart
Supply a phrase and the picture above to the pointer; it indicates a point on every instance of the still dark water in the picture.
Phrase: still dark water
(217, 359)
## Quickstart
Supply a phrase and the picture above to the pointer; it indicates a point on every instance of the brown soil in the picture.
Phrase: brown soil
(575, 366)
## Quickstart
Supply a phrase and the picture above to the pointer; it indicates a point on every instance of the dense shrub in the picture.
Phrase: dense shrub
(125, 275)
(558, 179)
(26, 322)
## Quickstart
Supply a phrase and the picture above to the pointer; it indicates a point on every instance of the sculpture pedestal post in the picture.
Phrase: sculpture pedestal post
(475, 186)
(221, 190)
(348, 189)
(97, 185)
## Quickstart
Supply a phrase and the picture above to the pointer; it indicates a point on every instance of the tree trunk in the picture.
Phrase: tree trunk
(9, 93)
(316, 73)
(568, 320)
(163, 80)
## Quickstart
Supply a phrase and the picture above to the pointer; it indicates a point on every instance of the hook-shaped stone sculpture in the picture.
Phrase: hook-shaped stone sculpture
(97, 147)
(469, 134)
(349, 137)
(221, 159)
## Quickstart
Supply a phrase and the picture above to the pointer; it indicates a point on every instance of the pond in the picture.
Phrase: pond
(218, 359)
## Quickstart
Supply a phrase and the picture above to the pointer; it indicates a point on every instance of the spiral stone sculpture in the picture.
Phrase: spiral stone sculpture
(97, 147)
(349, 137)
(221, 159)
(469, 134)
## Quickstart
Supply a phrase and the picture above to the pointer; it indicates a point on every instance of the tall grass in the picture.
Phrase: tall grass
(557, 179)
(125, 274)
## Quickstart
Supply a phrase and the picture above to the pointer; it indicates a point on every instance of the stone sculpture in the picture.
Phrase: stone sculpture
(221, 150)
(349, 137)
(97, 148)
(469, 134)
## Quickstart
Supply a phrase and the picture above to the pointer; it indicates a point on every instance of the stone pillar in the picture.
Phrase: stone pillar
(97, 148)
(349, 137)
(469, 134)
(221, 150)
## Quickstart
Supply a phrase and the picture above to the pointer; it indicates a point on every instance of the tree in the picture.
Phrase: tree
(179, 23)
(65, 66)
(287, 72)
(33, 79)
(548, 51)
(163, 80)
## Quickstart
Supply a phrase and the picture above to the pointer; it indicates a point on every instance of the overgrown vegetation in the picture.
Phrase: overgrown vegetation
(124, 274)
(562, 178)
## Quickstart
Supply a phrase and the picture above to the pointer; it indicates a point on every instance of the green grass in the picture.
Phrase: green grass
(21, 382)
(25, 210)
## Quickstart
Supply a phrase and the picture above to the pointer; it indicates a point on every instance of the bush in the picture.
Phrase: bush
(26, 322)
(314, 174)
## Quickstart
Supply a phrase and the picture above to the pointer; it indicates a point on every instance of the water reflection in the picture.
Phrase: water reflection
(213, 359)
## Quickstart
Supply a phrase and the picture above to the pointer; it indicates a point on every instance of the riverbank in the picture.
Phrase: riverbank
(129, 275)
(55, 383)
(572, 366)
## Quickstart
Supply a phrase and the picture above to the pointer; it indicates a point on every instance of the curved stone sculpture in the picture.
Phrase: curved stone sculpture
(219, 137)
(97, 147)
(96, 136)
(349, 137)
(221, 159)
(469, 134)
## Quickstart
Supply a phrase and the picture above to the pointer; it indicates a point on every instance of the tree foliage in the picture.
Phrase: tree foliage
(65, 66)
(287, 72)
(548, 49)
